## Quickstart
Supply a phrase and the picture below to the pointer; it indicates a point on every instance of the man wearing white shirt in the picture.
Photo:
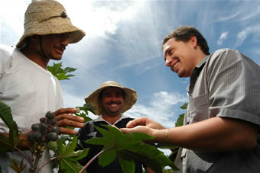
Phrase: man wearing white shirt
(25, 83)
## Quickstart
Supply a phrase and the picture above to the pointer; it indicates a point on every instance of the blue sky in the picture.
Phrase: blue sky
(123, 43)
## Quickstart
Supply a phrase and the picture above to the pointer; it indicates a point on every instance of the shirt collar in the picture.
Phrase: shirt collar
(100, 119)
(201, 63)
(198, 68)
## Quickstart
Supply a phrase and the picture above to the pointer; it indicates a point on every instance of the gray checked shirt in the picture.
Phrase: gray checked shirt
(224, 84)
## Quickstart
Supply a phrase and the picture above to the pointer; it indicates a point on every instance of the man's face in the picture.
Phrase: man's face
(112, 101)
(180, 56)
(54, 45)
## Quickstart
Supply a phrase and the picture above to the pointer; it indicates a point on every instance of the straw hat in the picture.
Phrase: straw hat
(130, 96)
(45, 17)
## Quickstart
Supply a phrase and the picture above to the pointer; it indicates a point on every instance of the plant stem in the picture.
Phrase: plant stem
(25, 156)
(96, 156)
(38, 157)
(53, 158)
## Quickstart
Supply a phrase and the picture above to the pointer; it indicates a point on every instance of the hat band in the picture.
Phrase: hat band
(63, 15)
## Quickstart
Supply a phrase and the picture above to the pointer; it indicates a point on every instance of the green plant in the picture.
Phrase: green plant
(65, 156)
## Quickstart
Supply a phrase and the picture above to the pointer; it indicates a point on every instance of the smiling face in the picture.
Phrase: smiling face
(112, 101)
(54, 45)
(180, 56)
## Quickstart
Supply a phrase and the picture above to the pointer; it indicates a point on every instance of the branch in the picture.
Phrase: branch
(96, 156)
(25, 156)
(53, 158)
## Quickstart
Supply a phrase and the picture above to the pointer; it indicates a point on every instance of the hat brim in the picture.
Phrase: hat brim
(53, 26)
(129, 99)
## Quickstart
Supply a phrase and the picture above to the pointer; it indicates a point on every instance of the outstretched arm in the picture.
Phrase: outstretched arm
(214, 134)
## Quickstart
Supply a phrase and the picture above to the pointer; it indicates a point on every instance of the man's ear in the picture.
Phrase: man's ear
(193, 40)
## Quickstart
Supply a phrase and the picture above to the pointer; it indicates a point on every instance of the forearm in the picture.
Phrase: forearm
(214, 134)
(24, 145)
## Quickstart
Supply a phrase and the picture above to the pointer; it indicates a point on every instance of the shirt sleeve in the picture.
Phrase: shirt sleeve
(5, 54)
(234, 86)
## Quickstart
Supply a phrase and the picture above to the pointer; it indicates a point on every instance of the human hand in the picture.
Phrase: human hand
(144, 125)
(144, 122)
(65, 118)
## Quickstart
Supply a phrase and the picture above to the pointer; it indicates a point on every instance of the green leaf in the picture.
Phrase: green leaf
(129, 146)
(69, 69)
(184, 106)
(59, 72)
(128, 166)
(179, 121)
(88, 107)
(15, 166)
(83, 112)
(107, 157)
(68, 157)
(5, 144)
(6, 116)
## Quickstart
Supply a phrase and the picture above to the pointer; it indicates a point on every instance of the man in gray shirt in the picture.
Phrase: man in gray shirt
(221, 131)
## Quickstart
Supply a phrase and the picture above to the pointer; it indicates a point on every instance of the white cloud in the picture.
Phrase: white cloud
(222, 37)
(97, 18)
(242, 36)
(161, 109)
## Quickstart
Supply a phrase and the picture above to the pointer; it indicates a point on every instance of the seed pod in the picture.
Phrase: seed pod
(35, 127)
(42, 120)
(52, 136)
(30, 137)
(53, 145)
(38, 136)
(53, 122)
(55, 129)
(44, 128)
(48, 114)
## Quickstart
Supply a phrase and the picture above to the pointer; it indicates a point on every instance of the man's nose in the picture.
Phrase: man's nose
(167, 62)
(64, 39)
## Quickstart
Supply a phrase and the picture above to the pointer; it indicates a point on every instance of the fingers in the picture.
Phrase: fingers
(66, 111)
(65, 118)
(70, 121)
(140, 129)
(136, 122)
(64, 130)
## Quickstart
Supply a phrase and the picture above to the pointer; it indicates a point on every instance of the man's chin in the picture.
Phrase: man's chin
(114, 114)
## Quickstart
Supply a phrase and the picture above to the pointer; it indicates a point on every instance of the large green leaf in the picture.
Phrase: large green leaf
(68, 157)
(6, 116)
(129, 146)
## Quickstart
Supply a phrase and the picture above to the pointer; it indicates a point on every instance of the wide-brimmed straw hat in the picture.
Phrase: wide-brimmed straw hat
(44, 17)
(130, 96)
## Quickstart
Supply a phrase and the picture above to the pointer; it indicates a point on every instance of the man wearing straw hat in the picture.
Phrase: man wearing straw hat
(110, 100)
(25, 83)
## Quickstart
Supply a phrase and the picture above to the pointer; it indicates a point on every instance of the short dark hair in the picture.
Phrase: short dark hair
(183, 33)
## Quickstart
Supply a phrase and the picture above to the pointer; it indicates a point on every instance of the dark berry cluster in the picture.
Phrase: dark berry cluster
(44, 132)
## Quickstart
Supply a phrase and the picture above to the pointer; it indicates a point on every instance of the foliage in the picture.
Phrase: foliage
(124, 146)
(67, 157)
(83, 111)
(18, 167)
(128, 147)
(61, 73)
(179, 122)
(8, 143)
